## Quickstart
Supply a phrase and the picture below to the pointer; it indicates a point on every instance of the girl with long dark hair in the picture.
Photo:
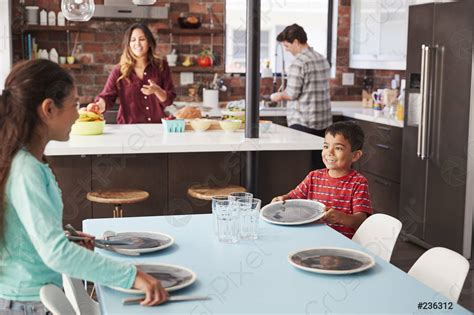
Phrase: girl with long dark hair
(39, 104)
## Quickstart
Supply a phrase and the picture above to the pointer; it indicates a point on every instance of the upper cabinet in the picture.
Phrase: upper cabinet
(379, 34)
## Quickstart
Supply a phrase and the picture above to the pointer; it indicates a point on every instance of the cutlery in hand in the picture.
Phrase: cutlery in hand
(71, 230)
(174, 298)
(116, 250)
(99, 241)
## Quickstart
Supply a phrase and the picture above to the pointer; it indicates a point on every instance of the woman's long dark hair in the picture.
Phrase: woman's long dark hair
(128, 60)
(26, 87)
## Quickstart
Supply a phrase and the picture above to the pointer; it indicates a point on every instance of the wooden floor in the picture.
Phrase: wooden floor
(404, 256)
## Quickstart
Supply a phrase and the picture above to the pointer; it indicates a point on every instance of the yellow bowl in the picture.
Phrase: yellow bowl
(200, 124)
(88, 128)
(230, 125)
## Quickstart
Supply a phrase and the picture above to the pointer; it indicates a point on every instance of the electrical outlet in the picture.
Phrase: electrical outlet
(348, 78)
(186, 78)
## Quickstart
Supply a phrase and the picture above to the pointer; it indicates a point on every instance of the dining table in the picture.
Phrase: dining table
(255, 276)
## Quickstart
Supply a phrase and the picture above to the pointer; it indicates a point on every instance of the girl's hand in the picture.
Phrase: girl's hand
(151, 88)
(155, 294)
(89, 243)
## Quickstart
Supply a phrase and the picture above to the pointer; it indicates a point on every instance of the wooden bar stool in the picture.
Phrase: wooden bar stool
(118, 197)
(206, 192)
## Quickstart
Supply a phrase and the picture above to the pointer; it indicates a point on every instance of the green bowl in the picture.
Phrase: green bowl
(88, 128)
(230, 125)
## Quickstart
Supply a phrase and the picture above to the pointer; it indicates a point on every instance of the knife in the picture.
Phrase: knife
(174, 298)
(117, 250)
(99, 241)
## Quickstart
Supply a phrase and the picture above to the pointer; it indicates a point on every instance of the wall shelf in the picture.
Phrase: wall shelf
(197, 69)
(28, 27)
(193, 31)
(73, 66)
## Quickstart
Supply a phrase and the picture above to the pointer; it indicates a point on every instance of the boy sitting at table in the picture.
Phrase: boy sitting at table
(342, 189)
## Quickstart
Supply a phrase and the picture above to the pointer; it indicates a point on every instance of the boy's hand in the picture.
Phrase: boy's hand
(332, 216)
(279, 198)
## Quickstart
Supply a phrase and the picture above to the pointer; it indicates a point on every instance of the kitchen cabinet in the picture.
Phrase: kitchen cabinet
(381, 165)
(379, 34)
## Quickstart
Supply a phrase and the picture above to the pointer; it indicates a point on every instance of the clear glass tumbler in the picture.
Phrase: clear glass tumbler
(249, 216)
(228, 224)
(214, 214)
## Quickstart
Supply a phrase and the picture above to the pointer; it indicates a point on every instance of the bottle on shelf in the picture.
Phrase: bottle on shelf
(400, 113)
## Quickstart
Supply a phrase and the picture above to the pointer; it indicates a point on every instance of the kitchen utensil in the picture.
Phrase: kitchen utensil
(175, 298)
(98, 241)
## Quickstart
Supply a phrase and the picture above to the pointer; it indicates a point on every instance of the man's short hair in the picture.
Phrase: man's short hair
(349, 130)
(292, 32)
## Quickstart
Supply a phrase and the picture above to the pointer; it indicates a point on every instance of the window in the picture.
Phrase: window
(5, 42)
(312, 15)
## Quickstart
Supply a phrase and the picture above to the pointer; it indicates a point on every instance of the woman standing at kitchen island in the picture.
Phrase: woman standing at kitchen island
(141, 81)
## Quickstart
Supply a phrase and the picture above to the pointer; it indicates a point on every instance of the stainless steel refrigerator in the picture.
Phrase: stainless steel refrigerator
(437, 183)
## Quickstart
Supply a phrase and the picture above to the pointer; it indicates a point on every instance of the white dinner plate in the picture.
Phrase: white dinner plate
(141, 242)
(293, 212)
(172, 277)
(331, 260)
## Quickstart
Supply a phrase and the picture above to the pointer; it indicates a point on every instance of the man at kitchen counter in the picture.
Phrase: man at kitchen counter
(307, 91)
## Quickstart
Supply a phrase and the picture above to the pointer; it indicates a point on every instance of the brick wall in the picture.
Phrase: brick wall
(100, 41)
(99, 49)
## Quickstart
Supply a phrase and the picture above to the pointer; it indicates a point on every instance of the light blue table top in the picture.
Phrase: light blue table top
(256, 277)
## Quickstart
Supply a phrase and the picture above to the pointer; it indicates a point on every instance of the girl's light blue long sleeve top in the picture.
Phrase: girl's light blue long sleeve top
(34, 250)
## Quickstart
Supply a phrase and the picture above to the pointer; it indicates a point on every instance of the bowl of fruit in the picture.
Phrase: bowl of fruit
(189, 21)
(90, 122)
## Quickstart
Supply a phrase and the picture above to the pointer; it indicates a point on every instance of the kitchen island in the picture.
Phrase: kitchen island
(143, 156)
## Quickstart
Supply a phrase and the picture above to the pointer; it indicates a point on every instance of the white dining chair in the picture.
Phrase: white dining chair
(82, 303)
(379, 233)
(443, 270)
(55, 300)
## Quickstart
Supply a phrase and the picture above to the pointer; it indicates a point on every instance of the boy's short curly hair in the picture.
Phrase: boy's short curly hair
(349, 130)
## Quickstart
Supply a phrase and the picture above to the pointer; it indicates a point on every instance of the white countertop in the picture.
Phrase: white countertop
(356, 111)
(150, 138)
(351, 109)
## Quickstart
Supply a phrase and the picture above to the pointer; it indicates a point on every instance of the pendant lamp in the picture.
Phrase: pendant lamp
(78, 10)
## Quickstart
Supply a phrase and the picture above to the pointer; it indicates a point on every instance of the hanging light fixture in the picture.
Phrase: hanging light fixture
(78, 10)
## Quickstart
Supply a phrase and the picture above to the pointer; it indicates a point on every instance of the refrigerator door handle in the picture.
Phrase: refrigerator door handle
(422, 93)
(425, 100)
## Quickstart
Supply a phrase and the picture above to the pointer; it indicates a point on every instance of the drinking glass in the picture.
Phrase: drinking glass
(228, 226)
(249, 220)
(214, 207)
